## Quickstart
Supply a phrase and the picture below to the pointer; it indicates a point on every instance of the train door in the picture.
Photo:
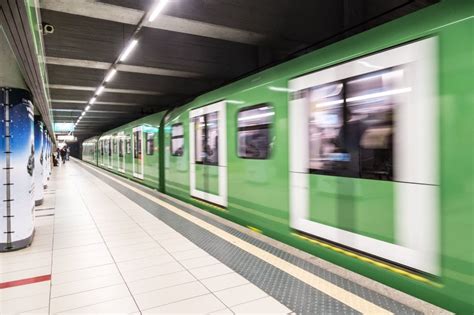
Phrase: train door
(109, 152)
(121, 152)
(138, 162)
(114, 151)
(363, 155)
(208, 153)
(101, 152)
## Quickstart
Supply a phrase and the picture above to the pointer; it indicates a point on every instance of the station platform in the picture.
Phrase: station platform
(104, 244)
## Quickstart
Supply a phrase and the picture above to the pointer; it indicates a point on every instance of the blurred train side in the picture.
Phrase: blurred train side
(259, 189)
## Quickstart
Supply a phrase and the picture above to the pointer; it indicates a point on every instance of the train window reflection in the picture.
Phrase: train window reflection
(254, 132)
(128, 146)
(207, 139)
(351, 125)
(177, 140)
(325, 126)
(150, 144)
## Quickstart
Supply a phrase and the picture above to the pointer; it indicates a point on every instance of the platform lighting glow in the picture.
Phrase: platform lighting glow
(87, 108)
(280, 89)
(129, 49)
(110, 75)
(100, 90)
(157, 10)
(92, 101)
(83, 113)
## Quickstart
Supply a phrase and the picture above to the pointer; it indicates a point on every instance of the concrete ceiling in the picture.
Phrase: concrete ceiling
(192, 47)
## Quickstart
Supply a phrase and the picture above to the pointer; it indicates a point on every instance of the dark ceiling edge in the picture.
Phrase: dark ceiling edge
(15, 22)
(344, 34)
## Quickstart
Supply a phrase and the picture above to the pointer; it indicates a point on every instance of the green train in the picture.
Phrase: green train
(360, 153)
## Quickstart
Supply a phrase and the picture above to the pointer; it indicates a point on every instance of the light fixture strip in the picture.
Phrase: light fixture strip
(100, 90)
(129, 49)
(157, 10)
(110, 75)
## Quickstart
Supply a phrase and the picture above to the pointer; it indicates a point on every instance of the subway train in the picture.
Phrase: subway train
(360, 153)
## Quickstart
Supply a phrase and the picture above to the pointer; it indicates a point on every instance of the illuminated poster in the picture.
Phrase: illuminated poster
(39, 162)
(18, 164)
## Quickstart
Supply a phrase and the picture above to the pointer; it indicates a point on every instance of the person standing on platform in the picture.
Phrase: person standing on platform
(63, 154)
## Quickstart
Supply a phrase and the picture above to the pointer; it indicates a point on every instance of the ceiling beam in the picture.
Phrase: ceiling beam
(103, 11)
(120, 67)
(106, 90)
(96, 103)
(90, 111)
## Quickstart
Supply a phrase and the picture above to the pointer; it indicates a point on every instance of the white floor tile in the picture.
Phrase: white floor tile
(85, 285)
(224, 282)
(23, 304)
(199, 262)
(169, 295)
(23, 274)
(138, 274)
(159, 282)
(120, 306)
(88, 298)
(267, 305)
(241, 294)
(211, 271)
(199, 305)
(83, 274)
(188, 254)
(24, 291)
(145, 262)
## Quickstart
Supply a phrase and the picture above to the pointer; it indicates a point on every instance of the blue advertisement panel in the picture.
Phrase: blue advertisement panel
(17, 162)
(39, 161)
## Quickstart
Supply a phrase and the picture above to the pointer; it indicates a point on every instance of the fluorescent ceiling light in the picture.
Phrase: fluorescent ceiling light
(87, 108)
(110, 75)
(157, 10)
(92, 101)
(100, 90)
(83, 113)
(129, 49)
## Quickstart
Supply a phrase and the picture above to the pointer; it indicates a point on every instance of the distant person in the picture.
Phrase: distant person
(68, 152)
(63, 154)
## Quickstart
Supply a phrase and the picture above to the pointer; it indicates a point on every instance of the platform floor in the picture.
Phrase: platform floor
(106, 245)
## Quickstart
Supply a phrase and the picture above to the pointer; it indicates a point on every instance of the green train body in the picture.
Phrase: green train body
(407, 223)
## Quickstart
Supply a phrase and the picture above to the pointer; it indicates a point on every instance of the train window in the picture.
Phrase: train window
(128, 145)
(137, 144)
(114, 143)
(177, 140)
(253, 128)
(120, 147)
(351, 125)
(207, 139)
(150, 145)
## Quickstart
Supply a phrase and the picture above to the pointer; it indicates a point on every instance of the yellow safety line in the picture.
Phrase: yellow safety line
(352, 300)
(375, 262)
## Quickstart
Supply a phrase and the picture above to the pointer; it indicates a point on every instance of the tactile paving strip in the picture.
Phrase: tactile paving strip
(293, 293)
